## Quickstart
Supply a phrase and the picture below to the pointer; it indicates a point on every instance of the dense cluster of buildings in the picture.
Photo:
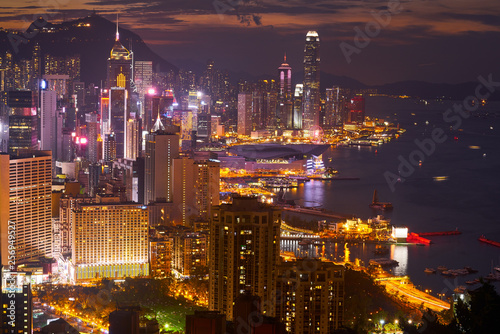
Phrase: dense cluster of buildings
(106, 182)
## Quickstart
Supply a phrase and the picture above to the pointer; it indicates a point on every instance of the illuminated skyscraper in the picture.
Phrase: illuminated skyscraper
(93, 128)
(143, 79)
(118, 118)
(119, 65)
(245, 114)
(285, 95)
(297, 106)
(23, 122)
(25, 201)
(133, 137)
(357, 110)
(311, 98)
(244, 250)
(48, 126)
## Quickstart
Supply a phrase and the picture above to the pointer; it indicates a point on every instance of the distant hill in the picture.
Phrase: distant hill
(92, 37)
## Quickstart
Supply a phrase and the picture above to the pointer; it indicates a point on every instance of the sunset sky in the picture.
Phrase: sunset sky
(427, 40)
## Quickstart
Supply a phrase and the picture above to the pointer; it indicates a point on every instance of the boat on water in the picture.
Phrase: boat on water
(497, 269)
(384, 262)
(470, 270)
(430, 270)
(442, 268)
(449, 273)
(385, 206)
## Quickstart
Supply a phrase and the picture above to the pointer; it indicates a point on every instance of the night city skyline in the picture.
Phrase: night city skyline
(425, 40)
(249, 167)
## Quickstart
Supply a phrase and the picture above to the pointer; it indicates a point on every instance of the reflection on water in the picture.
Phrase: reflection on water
(338, 252)
(400, 254)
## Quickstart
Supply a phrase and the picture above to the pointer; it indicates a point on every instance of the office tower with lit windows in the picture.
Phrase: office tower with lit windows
(119, 65)
(297, 106)
(48, 120)
(357, 110)
(311, 296)
(161, 149)
(196, 189)
(26, 201)
(285, 95)
(245, 114)
(93, 135)
(330, 112)
(117, 118)
(244, 250)
(110, 240)
(311, 95)
(143, 79)
(23, 122)
(109, 147)
(133, 137)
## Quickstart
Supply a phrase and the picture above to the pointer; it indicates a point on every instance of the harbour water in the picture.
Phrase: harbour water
(467, 199)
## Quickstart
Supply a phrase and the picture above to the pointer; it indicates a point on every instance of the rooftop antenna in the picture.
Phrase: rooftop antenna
(117, 32)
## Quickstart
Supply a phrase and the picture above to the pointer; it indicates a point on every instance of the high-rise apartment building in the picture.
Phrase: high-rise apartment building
(311, 97)
(26, 203)
(160, 257)
(196, 189)
(244, 250)
(189, 252)
(109, 240)
(310, 296)
(161, 149)
(245, 114)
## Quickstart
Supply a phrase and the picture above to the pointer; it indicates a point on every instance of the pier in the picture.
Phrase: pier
(321, 213)
(488, 241)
